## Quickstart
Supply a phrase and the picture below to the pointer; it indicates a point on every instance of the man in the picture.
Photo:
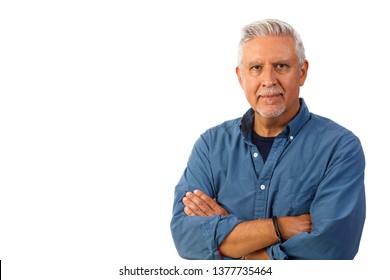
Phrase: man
(278, 183)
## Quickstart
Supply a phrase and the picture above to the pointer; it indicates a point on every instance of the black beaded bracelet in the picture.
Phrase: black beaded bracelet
(277, 230)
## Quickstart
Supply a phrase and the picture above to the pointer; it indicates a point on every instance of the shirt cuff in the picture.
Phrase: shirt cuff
(276, 253)
(215, 231)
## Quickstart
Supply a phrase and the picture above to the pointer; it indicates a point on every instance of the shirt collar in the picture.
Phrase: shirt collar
(292, 128)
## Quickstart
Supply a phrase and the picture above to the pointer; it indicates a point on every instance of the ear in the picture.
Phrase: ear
(303, 75)
(239, 76)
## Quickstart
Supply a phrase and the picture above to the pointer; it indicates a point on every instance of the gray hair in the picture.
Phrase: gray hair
(271, 27)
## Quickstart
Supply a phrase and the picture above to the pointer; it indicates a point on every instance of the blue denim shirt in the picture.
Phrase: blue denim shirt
(315, 166)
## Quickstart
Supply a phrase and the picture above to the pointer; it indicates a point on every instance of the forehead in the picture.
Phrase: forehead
(269, 48)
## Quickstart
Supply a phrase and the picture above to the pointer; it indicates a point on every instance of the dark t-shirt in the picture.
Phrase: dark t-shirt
(263, 144)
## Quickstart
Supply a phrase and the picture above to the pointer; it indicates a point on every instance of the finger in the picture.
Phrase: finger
(188, 211)
(210, 201)
(216, 209)
(190, 204)
(199, 203)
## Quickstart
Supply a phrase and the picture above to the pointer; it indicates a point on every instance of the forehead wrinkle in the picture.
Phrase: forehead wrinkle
(259, 48)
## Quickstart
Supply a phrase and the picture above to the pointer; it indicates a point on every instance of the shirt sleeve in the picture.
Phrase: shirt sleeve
(198, 237)
(338, 210)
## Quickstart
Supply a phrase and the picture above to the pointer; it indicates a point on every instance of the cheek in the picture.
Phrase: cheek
(251, 98)
(290, 85)
(250, 86)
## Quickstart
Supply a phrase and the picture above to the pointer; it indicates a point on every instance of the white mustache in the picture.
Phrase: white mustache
(269, 91)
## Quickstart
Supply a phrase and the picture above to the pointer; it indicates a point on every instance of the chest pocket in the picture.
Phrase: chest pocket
(294, 197)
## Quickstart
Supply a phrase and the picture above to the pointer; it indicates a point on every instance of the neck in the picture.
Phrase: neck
(268, 127)
(271, 127)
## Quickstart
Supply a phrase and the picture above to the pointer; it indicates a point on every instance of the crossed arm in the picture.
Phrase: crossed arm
(249, 238)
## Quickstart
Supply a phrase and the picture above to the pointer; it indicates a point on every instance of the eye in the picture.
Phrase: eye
(256, 68)
(281, 66)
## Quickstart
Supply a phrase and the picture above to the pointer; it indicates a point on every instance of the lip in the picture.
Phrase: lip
(270, 96)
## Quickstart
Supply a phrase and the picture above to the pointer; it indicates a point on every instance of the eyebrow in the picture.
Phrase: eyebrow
(253, 63)
(280, 61)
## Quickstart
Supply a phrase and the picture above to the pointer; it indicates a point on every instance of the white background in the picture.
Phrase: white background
(101, 102)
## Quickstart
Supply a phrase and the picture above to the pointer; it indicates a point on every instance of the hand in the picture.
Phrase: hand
(293, 225)
(198, 203)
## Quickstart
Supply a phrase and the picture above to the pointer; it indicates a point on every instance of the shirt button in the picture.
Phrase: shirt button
(255, 155)
(262, 187)
(291, 138)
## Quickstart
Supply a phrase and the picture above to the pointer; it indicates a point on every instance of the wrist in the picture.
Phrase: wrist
(277, 229)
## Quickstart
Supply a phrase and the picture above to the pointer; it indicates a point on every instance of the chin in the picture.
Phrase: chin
(271, 112)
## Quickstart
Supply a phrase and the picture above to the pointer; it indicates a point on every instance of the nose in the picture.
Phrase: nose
(268, 77)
